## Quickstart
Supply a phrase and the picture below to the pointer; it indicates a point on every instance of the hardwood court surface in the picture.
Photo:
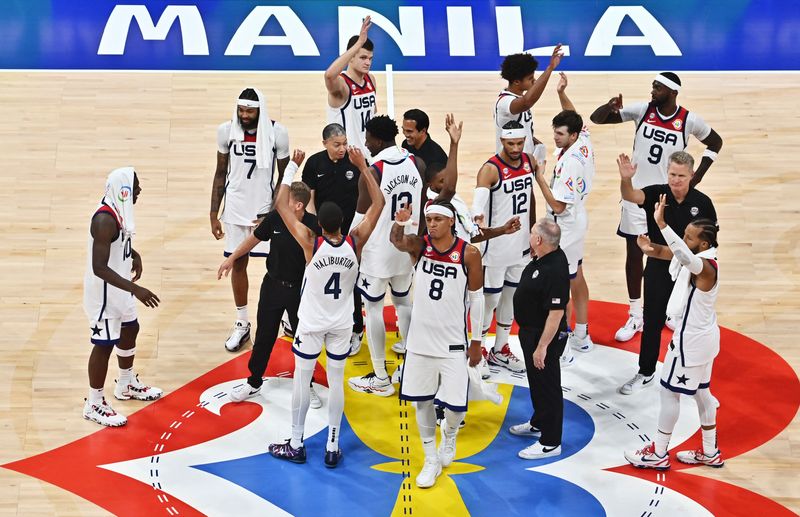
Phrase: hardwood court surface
(61, 133)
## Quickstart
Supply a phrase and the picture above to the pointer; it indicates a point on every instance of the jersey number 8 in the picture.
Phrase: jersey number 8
(435, 292)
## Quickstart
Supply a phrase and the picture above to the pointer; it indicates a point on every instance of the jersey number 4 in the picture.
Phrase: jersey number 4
(332, 287)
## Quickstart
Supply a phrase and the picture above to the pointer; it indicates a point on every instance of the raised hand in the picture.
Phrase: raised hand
(644, 244)
(453, 129)
(616, 103)
(562, 82)
(658, 212)
(298, 156)
(366, 23)
(555, 59)
(403, 214)
(627, 169)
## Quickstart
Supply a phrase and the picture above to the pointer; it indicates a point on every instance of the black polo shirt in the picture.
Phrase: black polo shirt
(696, 205)
(333, 181)
(286, 260)
(543, 287)
(429, 151)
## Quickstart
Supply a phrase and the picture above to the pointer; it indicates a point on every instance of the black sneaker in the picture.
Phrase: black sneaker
(284, 451)
(332, 459)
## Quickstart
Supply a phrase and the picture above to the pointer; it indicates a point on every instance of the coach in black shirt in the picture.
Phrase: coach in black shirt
(684, 204)
(280, 289)
(540, 302)
(418, 142)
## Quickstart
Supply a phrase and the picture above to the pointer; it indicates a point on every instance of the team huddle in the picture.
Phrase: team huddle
(366, 216)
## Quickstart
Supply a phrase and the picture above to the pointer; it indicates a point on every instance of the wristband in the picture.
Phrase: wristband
(711, 155)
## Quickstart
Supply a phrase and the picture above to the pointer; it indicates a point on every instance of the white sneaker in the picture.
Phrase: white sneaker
(670, 323)
(399, 347)
(243, 392)
(239, 336)
(355, 343)
(637, 383)
(398, 373)
(524, 429)
(699, 457)
(314, 401)
(567, 359)
(370, 383)
(447, 447)
(430, 471)
(581, 345)
(136, 390)
(483, 366)
(646, 458)
(103, 414)
(506, 359)
(629, 329)
(538, 451)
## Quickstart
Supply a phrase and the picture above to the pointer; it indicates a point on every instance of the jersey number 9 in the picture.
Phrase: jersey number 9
(655, 154)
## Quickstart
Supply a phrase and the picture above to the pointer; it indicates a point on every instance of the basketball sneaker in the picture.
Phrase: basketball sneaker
(243, 392)
(699, 457)
(447, 448)
(285, 451)
(430, 471)
(314, 401)
(398, 374)
(637, 383)
(333, 458)
(646, 458)
(370, 383)
(506, 359)
(103, 414)
(537, 451)
(629, 329)
(239, 336)
(399, 347)
(581, 345)
(134, 389)
(483, 366)
(355, 343)
(524, 429)
(567, 359)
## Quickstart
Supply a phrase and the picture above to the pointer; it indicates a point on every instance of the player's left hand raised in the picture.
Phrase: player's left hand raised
(453, 129)
(298, 156)
(658, 212)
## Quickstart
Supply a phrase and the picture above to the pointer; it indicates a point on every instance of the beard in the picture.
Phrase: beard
(253, 124)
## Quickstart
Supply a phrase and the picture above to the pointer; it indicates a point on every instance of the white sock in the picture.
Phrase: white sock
(95, 396)
(241, 313)
(335, 403)
(301, 395)
(125, 376)
(426, 422)
(662, 442)
(581, 330)
(636, 307)
(709, 441)
(503, 314)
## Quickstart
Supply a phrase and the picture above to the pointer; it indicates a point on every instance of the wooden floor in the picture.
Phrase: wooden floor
(60, 134)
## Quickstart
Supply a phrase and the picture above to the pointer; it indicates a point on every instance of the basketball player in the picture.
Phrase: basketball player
(689, 360)
(662, 128)
(248, 147)
(108, 298)
(523, 91)
(326, 305)
(449, 281)
(351, 91)
(400, 177)
(566, 196)
(505, 184)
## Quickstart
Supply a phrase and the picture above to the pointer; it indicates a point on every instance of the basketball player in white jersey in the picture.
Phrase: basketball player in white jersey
(326, 305)
(352, 100)
(449, 282)
(662, 128)
(566, 194)
(689, 360)
(248, 148)
(505, 190)
(399, 175)
(108, 298)
(517, 99)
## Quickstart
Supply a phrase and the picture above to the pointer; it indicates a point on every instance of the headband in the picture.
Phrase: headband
(669, 83)
(513, 133)
(248, 103)
(438, 209)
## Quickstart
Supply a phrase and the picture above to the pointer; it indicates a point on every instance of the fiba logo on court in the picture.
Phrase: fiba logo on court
(124, 193)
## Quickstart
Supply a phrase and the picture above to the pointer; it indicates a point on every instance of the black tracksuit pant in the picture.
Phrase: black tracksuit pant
(545, 385)
(657, 290)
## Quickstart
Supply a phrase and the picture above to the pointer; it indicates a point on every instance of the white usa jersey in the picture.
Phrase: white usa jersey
(401, 186)
(248, 189)
(357, 110)
(101, 300)
(657, 137)
(439, 312)
(326, 299)
(510, 196)
(503, 115)
(697, 334)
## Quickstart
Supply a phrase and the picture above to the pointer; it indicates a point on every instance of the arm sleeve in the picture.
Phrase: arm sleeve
(633, 112)
(682, 252)
(281, 141)
(476, 304)
(310, 172)
(263, 231)
(564, 185)
(223, 131)
(479, 201)
(697, 127)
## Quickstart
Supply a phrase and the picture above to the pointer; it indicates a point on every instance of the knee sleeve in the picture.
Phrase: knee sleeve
(402, 306)
(491, 300)
(376, 331)
(706, 406)
(426, 418)
(335, 371)
(670, 410)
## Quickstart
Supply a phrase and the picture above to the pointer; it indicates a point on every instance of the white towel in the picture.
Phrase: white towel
(481, 390)
(265, 134)
(119, 196)
(681, 275)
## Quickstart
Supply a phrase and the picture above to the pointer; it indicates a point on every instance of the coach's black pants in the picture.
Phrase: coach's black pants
(358, 317)
(275, 297)
(545, 385)
(657, 289)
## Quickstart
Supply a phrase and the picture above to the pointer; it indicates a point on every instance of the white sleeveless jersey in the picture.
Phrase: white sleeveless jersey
(510, 197)
(357, 110)
(572, 179)
(657, 137)
(326, 299)
(248, 189)
(101, 300)
(697, 334)
(401, 185)
(503, 115)
(439, 312)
